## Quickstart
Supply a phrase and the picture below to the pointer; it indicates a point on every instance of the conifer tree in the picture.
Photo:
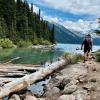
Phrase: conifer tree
(19, 22)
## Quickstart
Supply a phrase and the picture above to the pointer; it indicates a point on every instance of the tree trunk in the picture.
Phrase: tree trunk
(27, 80)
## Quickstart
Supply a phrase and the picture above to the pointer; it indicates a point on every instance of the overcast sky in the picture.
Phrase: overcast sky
(73, 14)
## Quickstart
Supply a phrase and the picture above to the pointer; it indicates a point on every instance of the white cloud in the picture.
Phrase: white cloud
(76, 6)
(51, 19)
(35, 8)
(80, 25)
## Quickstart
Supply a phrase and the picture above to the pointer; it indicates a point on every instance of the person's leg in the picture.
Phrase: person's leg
(85, 57)
(87, 54)
(88, 51)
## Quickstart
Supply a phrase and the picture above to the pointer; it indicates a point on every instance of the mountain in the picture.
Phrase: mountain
(63, 35)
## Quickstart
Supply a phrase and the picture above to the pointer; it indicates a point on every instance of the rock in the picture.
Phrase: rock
(53, 91)
(64, 83)
(80, 94)
(69, 89)
(48, 86)
(89, 87)
(88, 97)
(41, 99)
(66, 97)
(93, 80)
(29, 97)
(15, 97)
(94, 69)
(74, 81)
(82, 78)
(55, 82)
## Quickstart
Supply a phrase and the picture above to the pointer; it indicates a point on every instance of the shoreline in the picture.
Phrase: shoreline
(43, 46)
(34, 47)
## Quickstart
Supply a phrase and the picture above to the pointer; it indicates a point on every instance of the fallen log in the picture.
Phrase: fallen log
(27, 80)
(17, 58)
(14, 67)
(11, 71)
(12, 75)
(6, 80)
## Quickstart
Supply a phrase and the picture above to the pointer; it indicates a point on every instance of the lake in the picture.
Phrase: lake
(71, 48)
(31, 56)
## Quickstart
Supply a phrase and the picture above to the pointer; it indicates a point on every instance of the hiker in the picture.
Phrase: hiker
(87, 44)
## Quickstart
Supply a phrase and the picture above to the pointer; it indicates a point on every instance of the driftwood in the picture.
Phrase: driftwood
(4, 80)
(13, 67)
(27, 80)
(12, 60)
(12, 75)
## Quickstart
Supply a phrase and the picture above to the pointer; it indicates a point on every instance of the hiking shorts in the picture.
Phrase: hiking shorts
(87, 50)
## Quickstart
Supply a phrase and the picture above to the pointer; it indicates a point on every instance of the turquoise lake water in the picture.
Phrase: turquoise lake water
(31, 56)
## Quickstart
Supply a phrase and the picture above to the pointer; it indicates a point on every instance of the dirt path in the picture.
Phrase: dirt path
(79, 82)
(94, 76)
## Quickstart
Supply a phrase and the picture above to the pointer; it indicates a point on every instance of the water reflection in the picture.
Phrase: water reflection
(29, 56)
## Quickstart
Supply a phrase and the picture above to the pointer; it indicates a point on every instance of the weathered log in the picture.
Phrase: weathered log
(11, 71)
(6, 80)
(12, 75)
(13, 67)
(12, 60)
(27, 80)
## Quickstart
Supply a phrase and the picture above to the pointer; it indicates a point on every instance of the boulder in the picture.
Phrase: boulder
(66, 97)
(52, 92)
(53, 83)
(69, 89)
(29, 97)
(80, 94)
(15, 97)
(64, 83)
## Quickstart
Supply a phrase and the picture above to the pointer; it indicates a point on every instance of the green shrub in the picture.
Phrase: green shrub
(22, 43)
(65, 55)
(45, 42)
(35, 42)
(76, 58)
(39, 41)
(6, 43)
(72, 59)
(98, 56)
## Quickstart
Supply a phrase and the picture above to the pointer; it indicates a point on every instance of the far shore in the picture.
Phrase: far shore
(43, 46)
(48, 47)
